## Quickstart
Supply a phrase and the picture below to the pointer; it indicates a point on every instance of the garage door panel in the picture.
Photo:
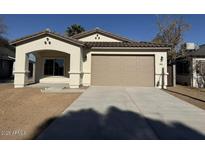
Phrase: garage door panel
(121, 70)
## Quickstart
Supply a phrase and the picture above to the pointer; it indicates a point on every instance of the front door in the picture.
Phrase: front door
(54, 67)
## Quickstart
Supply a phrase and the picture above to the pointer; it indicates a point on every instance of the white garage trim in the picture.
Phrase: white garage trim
(158, 64)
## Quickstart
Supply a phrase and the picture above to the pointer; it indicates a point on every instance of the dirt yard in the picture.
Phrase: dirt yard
(25, 112)
(193, 96)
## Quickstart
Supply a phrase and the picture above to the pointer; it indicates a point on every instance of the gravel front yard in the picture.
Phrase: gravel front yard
(24, 112)
(193, 96)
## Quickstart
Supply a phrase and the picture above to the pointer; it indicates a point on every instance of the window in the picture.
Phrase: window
(48, 67)
(200, 67)
(30, 75)
(54, 67)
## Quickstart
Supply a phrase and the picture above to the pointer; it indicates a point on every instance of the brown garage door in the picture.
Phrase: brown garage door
(121, 70)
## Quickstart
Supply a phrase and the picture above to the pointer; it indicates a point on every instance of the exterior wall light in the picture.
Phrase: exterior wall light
(162, 58)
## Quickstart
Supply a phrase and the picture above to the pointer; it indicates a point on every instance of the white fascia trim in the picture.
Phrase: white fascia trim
(132, 48)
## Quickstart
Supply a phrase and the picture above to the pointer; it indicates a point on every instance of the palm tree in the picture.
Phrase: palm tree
(74, 29)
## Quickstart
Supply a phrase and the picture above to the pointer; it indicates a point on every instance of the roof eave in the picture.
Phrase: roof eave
(197, 56)
(28, 38)
(87, 33)
(133, 48)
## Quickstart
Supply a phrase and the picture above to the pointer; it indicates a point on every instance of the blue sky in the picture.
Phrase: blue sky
(137, 27)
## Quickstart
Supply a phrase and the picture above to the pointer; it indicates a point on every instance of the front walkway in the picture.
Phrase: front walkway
(128, 113)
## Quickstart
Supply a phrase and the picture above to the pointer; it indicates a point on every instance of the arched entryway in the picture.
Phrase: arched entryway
(48, 67)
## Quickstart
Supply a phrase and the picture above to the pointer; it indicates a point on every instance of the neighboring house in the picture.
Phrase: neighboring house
(7, 54)
(93, 57)
(190, 69)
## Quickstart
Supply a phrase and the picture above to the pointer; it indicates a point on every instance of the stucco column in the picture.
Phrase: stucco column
(21, 69)
(75, 69)
(161, 64)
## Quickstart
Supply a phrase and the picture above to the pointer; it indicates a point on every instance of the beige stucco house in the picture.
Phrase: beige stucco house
(93, 57)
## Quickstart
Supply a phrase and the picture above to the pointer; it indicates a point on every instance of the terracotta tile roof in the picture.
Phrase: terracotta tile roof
(72, 40)
(46, 33)
(100, 31)
(125, 44)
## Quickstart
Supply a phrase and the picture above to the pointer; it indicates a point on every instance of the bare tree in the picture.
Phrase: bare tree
(171, 31)
(3, 27)
(3, 30)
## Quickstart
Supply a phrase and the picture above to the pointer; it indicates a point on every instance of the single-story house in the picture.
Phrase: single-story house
(190, 69)
(93, 57)
(7, 57)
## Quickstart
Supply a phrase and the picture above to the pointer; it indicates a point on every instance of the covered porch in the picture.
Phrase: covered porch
(50, 67)
(57, 60)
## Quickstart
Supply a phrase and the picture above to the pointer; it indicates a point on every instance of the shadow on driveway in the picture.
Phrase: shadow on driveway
(115, 125)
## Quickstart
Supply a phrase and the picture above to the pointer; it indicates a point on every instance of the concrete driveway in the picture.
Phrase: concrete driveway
(128, 113)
